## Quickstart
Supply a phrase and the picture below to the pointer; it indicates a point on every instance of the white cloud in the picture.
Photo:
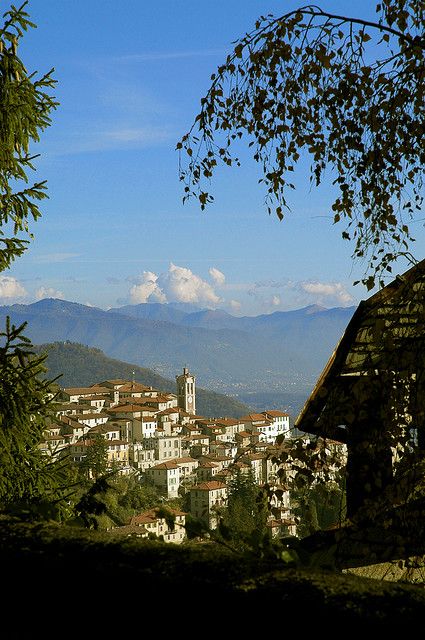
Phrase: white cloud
(55, 257)
(169, 55)
(139, 136)
(180, 284)
(11, 288)
(147, 289)
(235, 305)
(218, 276)
(289, 294)
(329, 292)
(110, 139)
(48, 292)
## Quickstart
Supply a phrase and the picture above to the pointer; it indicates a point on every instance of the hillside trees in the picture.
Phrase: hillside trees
(346, 94)
(244, 521)
(111, 500)
(96, 460)
(25, 402)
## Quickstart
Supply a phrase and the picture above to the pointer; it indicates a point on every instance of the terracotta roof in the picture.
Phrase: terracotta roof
(224, 473)
(274, 523)
(73, 391)
(71, 422)
(286, 522)
(211, 485)
(228, 422)
(90, 416)
(82, 444)
(152, 515)
(212, 456)
(207, 465)
(143, 518)
(255, 456)
(133, 386)
(252, 417)
(166, 465)
(184, 413)
(71, 405)
(159, 399)
(184, 460)
(276, 414)
(135, 400)
(240, 465)
(166, 412)
(118, 381)
(107, 427)
(128, 408)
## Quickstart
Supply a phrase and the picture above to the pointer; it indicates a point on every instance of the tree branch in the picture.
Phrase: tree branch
(313, 10)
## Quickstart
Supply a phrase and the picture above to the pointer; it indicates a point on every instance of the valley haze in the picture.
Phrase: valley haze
(270, 359)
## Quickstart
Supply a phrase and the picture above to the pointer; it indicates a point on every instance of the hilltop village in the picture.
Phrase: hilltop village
(159, 437)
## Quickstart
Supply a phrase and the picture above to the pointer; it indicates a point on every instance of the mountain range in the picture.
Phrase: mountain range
(281, 351)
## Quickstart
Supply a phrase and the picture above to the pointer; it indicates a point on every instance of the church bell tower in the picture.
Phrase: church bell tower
(186, 391)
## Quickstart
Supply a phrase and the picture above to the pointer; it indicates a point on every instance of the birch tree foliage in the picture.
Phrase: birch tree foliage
(25, 107)
(345, 92)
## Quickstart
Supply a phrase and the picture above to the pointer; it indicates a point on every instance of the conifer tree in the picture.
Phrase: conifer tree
(25, 108)
(244, 521)
(26, 476)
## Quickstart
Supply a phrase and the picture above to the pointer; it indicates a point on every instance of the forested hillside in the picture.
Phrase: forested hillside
(79, 365)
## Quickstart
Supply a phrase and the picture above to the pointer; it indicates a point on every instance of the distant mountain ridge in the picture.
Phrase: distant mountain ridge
(225, 352)
(219, 319)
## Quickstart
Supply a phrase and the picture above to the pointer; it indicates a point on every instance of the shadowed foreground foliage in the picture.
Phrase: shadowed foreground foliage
(91, 570)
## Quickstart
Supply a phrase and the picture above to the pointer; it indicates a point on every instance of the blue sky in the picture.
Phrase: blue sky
(114, 230)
